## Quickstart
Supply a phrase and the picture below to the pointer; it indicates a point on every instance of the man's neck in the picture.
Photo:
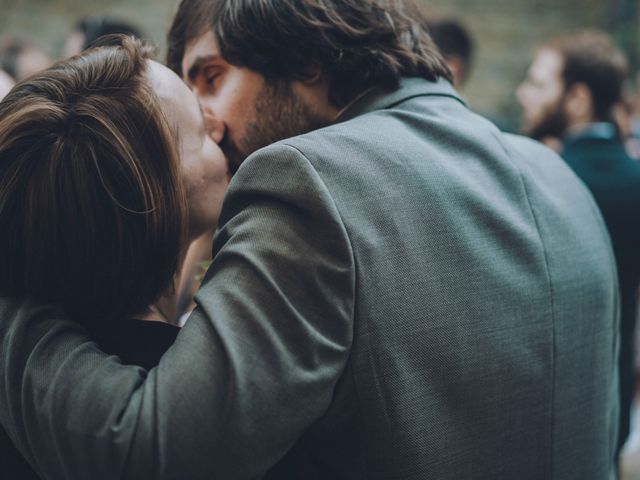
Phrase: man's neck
(348, 105)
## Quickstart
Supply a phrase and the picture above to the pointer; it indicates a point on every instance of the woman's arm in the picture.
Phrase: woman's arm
(255, 365)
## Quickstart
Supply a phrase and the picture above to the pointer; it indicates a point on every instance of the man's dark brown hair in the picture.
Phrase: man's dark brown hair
(356, 43)
(590, 57)
(92, 210)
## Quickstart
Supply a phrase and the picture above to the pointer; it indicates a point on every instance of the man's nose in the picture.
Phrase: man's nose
(215, 127)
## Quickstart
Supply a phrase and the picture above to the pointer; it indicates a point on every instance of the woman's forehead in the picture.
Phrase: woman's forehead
(176, 100)
(163, 81)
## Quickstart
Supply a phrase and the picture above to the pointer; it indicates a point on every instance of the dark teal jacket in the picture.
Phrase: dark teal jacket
(598, 156)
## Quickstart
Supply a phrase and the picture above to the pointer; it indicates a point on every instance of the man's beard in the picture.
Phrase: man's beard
(278, 114)
(553, 124)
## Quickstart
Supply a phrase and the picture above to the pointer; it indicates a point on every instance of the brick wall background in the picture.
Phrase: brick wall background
(506, 32)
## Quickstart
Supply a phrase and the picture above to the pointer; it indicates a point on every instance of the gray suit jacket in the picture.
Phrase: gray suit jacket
(406, 294)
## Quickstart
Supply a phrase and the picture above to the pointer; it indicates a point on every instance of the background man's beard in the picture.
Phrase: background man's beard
(278, 114)
(554, 124)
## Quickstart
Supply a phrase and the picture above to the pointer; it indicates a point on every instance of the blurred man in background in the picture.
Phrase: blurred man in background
(456, 45)
(88, 29)
(21, 59)
(569, 101)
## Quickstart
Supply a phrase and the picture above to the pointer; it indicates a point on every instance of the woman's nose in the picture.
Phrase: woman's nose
(215, 127)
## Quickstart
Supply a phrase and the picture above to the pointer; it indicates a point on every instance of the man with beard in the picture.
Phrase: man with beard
(572, 88)
(398, 290)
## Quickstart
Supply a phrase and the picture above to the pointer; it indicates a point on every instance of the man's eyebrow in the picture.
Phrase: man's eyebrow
(197, 64)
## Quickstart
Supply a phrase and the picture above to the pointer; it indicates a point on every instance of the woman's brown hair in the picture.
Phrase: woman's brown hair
(357, 43)
(92, 211)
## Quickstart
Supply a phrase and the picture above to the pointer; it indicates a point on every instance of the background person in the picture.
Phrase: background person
(21, 59)
(89, 29)
(457, 46)
(574, 84)
(396, 285)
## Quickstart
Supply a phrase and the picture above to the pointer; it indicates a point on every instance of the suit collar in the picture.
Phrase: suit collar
(379, 98)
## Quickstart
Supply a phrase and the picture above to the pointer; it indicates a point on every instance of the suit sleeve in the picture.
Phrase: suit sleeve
(255, 365)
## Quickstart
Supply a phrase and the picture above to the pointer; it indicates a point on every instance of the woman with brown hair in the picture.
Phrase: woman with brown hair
(108, 170)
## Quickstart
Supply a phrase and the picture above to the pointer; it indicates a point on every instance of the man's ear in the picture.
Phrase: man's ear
(456, 65)
(313, 90)
(579, 103)
(312, 74)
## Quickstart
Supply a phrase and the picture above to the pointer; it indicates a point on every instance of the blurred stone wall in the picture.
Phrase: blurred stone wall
(506, 32)
(47, 22)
